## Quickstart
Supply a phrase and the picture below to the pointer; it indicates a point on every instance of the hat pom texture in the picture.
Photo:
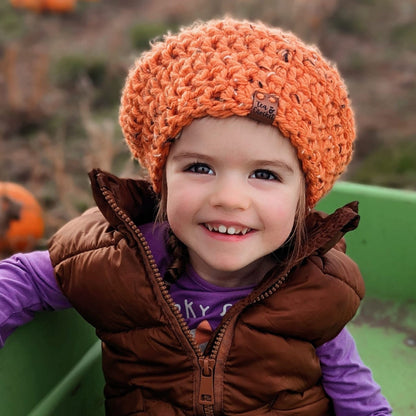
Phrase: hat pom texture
(214, 69)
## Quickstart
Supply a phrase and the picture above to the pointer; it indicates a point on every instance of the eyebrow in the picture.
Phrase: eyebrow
(262, 162)
(275, 163)
(191, 155)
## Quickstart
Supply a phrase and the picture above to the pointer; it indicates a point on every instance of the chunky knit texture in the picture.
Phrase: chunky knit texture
(214, 69)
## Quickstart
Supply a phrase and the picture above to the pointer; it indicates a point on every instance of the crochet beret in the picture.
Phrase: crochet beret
(223, 68)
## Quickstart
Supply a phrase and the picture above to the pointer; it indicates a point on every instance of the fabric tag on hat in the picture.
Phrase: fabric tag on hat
(264, 108)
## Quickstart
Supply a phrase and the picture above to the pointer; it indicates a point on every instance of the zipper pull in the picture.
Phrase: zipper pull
(206, 389)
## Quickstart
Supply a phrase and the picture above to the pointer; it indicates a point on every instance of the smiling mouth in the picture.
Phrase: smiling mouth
(223, 229)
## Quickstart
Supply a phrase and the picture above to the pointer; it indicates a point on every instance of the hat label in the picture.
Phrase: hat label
(264, 108)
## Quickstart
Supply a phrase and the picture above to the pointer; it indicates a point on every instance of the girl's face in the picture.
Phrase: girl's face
(233, 186)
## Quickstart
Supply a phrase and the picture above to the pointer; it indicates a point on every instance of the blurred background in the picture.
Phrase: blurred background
(63, 64)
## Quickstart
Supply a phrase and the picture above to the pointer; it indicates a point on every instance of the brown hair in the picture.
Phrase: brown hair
(176, 249)
(291, 249)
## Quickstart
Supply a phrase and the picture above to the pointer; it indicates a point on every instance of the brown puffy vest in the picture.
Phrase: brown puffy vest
(260, 361)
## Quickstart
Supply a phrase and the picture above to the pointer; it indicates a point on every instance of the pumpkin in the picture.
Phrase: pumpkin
(34, 5)
(21, 219)
(59, 6)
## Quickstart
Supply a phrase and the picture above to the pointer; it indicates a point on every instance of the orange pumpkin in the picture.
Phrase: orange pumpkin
(21, 219)
(34, 5)
(60, 6)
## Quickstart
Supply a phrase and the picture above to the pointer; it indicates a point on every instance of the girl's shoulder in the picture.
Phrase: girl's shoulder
(86, 232)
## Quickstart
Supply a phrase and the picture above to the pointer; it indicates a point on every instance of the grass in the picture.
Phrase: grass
(142, 33)
(404, 36)
(69, 70)
(392, 165)
(12, 25)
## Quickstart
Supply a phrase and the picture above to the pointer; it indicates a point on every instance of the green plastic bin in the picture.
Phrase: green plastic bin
(52, 366)
(384, 246)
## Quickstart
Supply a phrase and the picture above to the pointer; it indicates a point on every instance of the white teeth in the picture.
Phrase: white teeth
(230, 230)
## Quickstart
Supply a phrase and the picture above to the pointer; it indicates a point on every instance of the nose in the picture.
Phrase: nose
(230, 194)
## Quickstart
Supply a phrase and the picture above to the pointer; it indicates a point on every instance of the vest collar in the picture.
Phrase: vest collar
(137, 199)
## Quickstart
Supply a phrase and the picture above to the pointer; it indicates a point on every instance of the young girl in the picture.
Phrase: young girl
(215, 288)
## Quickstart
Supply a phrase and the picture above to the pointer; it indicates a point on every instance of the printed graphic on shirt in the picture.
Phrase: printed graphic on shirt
(195, 313)
(202, 334)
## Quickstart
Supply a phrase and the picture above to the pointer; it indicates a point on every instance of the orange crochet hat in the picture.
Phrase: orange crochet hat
(218, 69)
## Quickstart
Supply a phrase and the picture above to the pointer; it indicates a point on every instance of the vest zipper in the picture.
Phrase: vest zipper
(271, 290)
(206, 396)
(156, 273)
(207, 363)
(215, 345)
(206, 390)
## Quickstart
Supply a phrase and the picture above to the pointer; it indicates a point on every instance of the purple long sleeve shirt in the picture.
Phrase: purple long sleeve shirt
(28, 285)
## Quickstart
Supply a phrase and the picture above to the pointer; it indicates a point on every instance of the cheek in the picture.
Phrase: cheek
(172, 208)
(280, 211)
(180, 203)
(181, 211)
(175, 216)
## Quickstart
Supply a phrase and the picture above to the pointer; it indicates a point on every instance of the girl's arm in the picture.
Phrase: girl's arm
(27, 285)
(348, 381)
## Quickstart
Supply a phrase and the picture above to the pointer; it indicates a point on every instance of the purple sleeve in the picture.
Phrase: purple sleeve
(27, 285)
(348, 381)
